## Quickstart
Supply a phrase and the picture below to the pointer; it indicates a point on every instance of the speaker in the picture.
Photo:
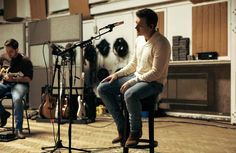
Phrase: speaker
(207, 55)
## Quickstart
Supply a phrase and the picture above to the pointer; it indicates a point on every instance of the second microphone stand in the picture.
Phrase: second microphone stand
(71, 50)
(59, 144)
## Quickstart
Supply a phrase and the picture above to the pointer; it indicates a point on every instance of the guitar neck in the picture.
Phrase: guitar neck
(15, 74)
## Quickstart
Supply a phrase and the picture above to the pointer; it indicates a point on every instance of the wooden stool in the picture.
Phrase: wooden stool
(148, 104)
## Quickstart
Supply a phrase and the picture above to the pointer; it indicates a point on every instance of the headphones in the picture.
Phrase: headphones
(103, 47)
(121, 47)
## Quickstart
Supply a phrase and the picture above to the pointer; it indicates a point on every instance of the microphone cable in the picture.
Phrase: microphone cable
(46, 69)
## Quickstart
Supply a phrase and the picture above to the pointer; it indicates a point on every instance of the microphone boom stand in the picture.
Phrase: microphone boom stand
(58, 144)
(70, 50)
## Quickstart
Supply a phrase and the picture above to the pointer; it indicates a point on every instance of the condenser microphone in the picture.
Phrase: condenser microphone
(56, 49)
(110, 26)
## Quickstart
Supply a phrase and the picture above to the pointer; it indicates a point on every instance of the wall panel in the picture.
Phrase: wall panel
(161, 22)
(209, 25)
(14, 30)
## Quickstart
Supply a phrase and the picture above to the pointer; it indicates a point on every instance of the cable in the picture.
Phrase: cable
(102, 148)
(45, 63)
(204, 124)
(46, 69)
(101, 126)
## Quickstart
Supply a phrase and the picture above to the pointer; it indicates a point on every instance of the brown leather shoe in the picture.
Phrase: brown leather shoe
(133, 139)
(19, 134)
(117, 139)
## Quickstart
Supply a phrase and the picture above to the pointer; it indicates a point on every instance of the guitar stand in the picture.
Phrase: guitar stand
(59, 144)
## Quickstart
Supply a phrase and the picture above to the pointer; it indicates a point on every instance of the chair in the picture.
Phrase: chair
(26, 106)
(148, 104)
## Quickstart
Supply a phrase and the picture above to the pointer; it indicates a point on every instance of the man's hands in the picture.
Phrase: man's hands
(124, 87)
(11, 78)
(110, 78)
(113, 77)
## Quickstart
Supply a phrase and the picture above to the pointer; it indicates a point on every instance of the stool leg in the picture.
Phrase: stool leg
(26, 114)
(13, 118)
(126, 130)
(151, 129)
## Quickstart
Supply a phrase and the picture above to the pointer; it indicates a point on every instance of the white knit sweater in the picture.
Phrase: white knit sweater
(149, 62)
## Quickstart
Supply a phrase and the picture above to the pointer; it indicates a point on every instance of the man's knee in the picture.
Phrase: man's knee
(128, 95)
(101, 88)
(17, 99)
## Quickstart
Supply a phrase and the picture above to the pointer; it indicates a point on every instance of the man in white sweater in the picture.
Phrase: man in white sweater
(144, 76)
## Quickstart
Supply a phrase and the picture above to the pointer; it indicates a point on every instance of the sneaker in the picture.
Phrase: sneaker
(133, 139)
(4, 118)
(19, 134)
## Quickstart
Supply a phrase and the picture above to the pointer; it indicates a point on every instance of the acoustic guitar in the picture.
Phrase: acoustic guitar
(47, 108)
(4, 72)
(64, 105)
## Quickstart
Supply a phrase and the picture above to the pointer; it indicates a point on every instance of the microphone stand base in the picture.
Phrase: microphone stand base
(60, 145)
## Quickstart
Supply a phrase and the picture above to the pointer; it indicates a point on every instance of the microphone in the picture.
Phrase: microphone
(56, 49)
(1, 47)
(110, 26)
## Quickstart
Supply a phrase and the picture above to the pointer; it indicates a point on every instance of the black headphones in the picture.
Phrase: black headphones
(103, 47)
(121, 47)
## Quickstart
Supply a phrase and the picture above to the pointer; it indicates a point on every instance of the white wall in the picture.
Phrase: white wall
(14, 30)
(57, 5)
(233, 61)
(179, 22)
(23, 8)
(126, 30)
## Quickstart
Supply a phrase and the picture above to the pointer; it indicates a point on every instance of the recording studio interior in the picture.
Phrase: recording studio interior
(118, 76)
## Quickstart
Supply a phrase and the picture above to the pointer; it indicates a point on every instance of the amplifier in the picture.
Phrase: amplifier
(207, 55)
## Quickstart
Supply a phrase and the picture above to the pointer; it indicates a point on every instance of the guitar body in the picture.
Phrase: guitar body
(48, 107)
(81, 111)
(65, 108)
(4, 72)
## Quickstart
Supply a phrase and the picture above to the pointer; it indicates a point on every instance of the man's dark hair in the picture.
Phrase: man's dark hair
(11, 43)
(150, 16)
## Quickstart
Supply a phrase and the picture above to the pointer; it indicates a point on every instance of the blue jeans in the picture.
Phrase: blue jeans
(109, 91)
(18, 92)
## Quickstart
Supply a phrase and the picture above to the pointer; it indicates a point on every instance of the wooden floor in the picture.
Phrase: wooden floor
(174, 135)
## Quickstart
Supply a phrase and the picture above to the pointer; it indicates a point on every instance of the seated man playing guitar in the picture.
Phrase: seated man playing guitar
(16, 80)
